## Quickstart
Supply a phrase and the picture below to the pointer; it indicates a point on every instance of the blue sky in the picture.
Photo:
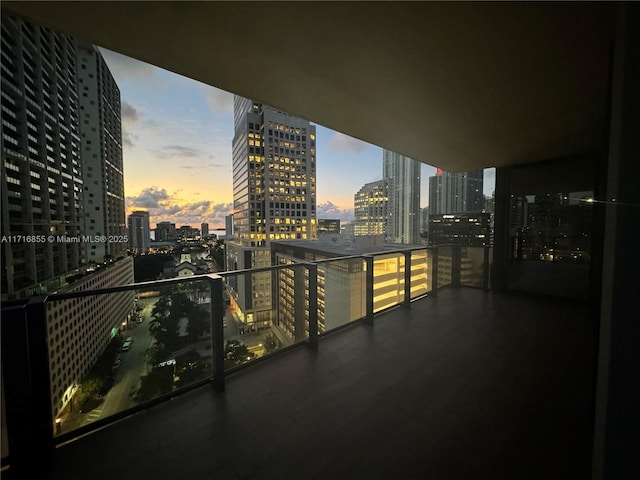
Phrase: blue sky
(177, 136)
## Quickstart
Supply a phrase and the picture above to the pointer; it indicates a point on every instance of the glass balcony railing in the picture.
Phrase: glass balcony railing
(75, 361)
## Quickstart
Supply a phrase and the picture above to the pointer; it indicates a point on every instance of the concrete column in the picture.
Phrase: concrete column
(617, 414)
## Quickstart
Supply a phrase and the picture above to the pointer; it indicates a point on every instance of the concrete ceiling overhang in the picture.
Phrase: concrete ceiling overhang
(458, 85)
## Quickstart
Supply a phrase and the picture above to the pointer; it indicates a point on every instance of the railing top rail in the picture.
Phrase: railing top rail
(297, 263)
(209, 277)
(134, 286)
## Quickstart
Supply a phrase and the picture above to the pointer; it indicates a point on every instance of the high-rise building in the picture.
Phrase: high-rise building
(274, 198)
(166, 232)
(451, 193)
(228, 226)
(101, 147)
(274, 175)
(62, 157)
(403, 177)
(139, 231)
(63, 194)
(204, 230)
(41, 166)
(371, 209)
(467, 229)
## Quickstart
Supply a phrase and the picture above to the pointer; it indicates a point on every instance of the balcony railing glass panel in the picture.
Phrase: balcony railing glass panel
(341, 293)
(421, 271)
(111, 352)
(266, 311)
(472, 266)
(388, 281)
(445, 266)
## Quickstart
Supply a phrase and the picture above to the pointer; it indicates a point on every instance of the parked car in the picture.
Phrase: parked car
(116, 364)
(127, 344)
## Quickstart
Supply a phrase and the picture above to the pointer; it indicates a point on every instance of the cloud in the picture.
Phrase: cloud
(219, 101)
(128, 138)
(173, 151)
(130, 116)
(149, 198)
(330, 210)
(163, 206)
(129, 113)
(344, 143)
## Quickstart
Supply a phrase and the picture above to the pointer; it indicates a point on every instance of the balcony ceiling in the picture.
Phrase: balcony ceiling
(453, 84)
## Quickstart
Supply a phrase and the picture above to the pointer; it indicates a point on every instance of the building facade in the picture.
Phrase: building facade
(81, 328)
(403, 177)
(274, 198)
(341, 282)
(42, 184)
(471, 229)
(139, 231)
(166, 232)
(102, 164)
(328, 225)
(371, 209)
(451, 193)
(62, 179)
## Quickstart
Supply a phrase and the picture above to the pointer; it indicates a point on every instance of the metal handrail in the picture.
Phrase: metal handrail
(34, 310)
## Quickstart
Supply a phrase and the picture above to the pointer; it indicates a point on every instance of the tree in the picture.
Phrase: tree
(198, 322)
(155, 383)
(271, 343)
(218, 253)
(191, 367)
(236, 353)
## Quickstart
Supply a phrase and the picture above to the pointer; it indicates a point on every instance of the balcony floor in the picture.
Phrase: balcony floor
(466, 385)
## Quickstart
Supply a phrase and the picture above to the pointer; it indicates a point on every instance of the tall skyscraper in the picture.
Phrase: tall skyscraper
(274, 175)
(371, 209)
(228, 225)
(41, 165)
(139, 231)
(403, 177)
(62, 155)
(451, 193)
(101, 146)
(60, 177)
(274, 197)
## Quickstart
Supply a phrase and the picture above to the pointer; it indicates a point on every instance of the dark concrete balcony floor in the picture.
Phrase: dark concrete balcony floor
(466, 385)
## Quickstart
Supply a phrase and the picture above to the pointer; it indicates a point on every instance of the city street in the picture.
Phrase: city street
(133, 364)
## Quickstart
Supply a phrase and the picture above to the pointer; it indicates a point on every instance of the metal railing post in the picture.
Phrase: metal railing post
(456, 265)
(434, 271)
(312, 272)
(486, 268)
(217, 331)
(368, 259)
(407, 280)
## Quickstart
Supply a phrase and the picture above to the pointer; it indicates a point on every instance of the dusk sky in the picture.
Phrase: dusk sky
(177, 136)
